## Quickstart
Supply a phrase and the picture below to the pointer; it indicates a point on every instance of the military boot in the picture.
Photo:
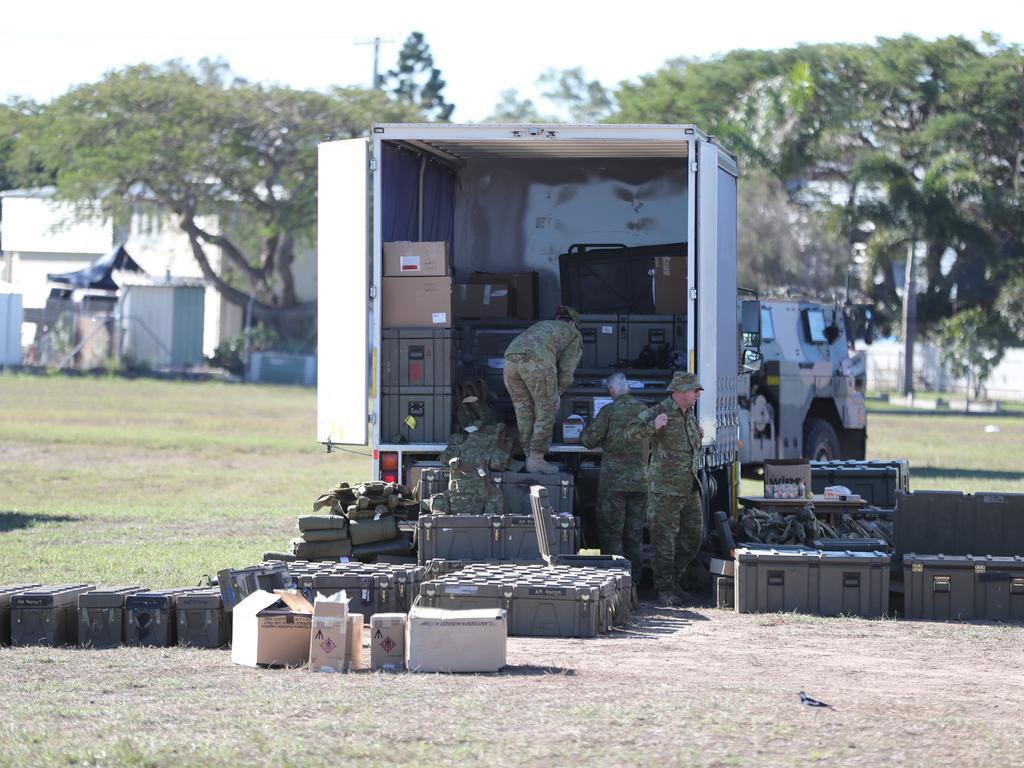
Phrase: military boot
(535, 463)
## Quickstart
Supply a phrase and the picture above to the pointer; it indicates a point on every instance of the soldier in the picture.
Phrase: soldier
(539, 365)
(622, 487)
(673, 496)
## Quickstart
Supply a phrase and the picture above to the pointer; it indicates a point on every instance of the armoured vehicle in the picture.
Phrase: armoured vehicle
(538, 204)
(807, 400)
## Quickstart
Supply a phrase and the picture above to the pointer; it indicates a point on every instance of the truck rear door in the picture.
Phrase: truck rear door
(343, 369)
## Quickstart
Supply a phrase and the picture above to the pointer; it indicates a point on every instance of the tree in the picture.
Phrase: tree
(586, 102)
(972, 343)
(1010, 305)
(512, 109)
(206, 147)
(417, 82)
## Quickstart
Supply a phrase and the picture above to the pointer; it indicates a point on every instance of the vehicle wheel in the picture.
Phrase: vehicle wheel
(820, 441)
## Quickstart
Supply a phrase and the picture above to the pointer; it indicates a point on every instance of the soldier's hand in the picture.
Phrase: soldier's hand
(660, 420)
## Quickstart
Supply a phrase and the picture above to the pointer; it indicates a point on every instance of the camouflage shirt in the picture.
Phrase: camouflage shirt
(624, 462)
(675, 448)
(551, 341)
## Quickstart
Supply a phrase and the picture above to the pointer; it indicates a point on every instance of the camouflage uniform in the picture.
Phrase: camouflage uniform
(673, 498)
(622, 487)
(539, 364)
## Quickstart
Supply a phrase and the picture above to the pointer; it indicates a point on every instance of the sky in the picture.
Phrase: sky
(482, 48)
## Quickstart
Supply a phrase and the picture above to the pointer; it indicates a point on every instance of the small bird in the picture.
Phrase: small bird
(808, 701)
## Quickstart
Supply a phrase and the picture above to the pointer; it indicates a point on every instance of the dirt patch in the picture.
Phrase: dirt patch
(694, 687)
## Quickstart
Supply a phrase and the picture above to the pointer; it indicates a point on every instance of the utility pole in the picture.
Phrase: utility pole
(909, 317)
(376, 43)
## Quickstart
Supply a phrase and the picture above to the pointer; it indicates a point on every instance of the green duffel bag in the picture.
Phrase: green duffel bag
(321, 550)
(322, 522)
(325, 534)
(368, 530)
(399, 546)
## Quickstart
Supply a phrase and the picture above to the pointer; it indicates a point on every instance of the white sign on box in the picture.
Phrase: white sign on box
(439, 318)
(409, 263)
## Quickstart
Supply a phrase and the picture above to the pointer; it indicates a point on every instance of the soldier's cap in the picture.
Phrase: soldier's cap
(567, 313)
(683, 381)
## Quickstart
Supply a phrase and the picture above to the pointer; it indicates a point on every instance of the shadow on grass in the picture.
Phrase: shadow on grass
(13, 521)
(977, 474)
(531, 670)
(648, 621)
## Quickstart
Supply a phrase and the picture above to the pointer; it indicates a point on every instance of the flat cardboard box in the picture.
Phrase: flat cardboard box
(387, 641)
(523, 287)
(721, 567)
(328, 642)
(481, 300)
(416, 302)
(404, 258)
(354, 655)
(670, 285)
(268, 631)
(439, 640)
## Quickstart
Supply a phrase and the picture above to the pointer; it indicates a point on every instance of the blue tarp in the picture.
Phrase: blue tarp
(98, 274)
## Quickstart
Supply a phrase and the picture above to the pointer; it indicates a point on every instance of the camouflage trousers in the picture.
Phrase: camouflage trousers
(677, 530)
(533, 387)
(620, 527)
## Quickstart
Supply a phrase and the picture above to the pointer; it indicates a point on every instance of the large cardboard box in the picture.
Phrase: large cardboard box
(415, 259)
(669, 285)
(329, 642)
(387, 641)
(523, 291)
(271, 628)
(417, 302)
(354, 656)
(439, 640)
(481, 300)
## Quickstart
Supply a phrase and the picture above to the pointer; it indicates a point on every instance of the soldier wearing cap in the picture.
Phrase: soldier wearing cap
(622, 485)
(673, 496)
(539, 366)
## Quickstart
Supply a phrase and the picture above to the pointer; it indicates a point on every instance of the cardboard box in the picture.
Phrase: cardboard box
(481, 300)
(721, 567)
(670, 285)
(415, 259)
(387, 641)
(354, 656)
(416, 302)
(328, 642)
(271, 628)
(523, 291)
(788, 472)
(438, 640)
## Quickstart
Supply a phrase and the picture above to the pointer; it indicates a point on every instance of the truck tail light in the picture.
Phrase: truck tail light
(389, 467)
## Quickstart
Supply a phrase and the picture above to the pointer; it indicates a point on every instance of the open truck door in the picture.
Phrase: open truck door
(343, 258)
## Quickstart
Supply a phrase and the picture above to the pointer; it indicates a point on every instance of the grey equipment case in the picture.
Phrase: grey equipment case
(955, 523)
(963, 587)
(101, 617)
(515, 489)
(150, 617)
(6, 592)
(491, 537)
(202, 622)
(236, 584)
(46, 615)
(812, 581)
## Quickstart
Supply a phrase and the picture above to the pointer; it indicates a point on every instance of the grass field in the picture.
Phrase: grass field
(113, 482)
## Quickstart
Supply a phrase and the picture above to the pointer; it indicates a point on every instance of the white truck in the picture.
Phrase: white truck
(512, 198)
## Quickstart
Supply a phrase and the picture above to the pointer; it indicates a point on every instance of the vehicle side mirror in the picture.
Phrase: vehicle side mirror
(752, 360)
(750, 323)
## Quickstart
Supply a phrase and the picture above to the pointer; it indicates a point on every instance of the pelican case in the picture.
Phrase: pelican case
(555, 611)
(465, 595)
(416, 414)
(237, 584)
(875, 481)
(201, 619)
(812, 581)
(520, 542)
(46, 615)
(457, 537)
(955, 523)
(725, 592)
(600, 334)
(515, 488)
(416, 357)
(5, 609)
(365, 594)
(963, 587)
(150, 618)
(101, 617)
(649, 341)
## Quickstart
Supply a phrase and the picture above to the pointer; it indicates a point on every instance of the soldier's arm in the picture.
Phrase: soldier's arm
(642, 426)
(597, 430)
(568, 360)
